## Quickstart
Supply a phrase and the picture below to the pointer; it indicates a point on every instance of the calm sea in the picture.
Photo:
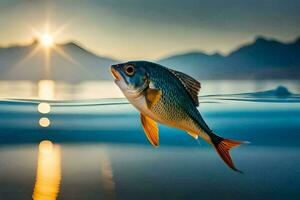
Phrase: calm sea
(86, 142)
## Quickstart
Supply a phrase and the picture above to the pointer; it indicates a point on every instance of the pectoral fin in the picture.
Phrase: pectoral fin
(151, 130)
(152, 96)
(194, 135)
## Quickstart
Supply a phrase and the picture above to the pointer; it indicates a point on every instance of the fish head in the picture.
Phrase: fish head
(131, 77)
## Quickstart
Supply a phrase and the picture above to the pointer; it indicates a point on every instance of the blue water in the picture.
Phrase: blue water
(104, 154)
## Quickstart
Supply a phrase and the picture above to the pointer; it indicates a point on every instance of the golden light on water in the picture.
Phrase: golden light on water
(48, 176)
(44, 108)
(108, 182)
(46, 147)
(44, 122)
(46, 89)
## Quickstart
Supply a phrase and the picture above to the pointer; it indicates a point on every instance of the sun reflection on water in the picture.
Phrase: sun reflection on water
(48, 175)
(44, 108)
(46, 89)
(44, 122)
(108, 183)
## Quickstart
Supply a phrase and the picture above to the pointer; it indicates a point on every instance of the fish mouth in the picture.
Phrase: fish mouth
(115, 73)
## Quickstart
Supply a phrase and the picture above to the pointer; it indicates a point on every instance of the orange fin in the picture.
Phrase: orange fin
(194, 135)
(223, 146)
(151, 130)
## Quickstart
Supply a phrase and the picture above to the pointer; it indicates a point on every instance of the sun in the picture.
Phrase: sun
(46, 40)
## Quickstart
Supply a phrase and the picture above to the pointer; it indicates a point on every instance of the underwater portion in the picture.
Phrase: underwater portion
(96, 149)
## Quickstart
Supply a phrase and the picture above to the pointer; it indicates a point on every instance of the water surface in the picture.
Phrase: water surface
(96, 149)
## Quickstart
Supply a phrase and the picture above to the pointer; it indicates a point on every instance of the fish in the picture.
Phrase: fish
(166, 96)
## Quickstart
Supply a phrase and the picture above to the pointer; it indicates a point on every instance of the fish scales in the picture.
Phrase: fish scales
(169, 97)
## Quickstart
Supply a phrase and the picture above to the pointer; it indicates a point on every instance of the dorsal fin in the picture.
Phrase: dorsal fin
(190, 84)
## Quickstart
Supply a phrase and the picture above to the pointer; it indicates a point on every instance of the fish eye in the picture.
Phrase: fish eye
(129, 70)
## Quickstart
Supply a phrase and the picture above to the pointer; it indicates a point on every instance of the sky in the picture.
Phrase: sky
(149, 30)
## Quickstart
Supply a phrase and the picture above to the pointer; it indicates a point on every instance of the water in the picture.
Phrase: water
(48, 89)
(96, 149)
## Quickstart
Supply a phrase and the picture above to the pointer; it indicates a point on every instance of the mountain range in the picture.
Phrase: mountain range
(69, 63)
(261, 59)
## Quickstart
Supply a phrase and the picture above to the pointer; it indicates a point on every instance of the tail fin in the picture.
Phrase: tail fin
(223, 146)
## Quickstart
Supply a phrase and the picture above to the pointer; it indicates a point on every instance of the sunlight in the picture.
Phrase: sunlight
(48, 175)
(65, 55)
(47, 40)
(46, 89)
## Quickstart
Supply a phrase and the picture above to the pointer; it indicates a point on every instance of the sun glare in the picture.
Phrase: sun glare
(46, 40)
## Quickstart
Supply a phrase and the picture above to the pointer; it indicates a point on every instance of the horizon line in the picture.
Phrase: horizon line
(177, 53)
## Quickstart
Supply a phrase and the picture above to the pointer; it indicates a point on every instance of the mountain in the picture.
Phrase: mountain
(69, 63)
(261, 59)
